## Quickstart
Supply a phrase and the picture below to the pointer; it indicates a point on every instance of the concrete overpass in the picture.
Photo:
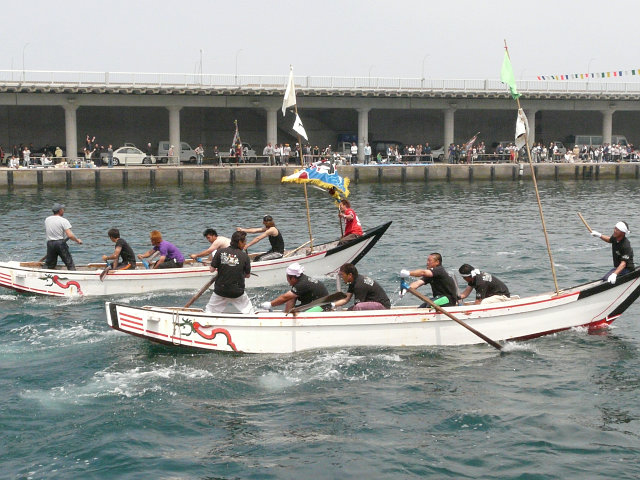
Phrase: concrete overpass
(440, 104)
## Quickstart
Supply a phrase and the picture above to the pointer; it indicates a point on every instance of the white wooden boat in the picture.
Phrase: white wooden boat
(593, 305)
(30, 277)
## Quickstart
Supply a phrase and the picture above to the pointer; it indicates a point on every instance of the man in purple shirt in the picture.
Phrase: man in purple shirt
(170, 256)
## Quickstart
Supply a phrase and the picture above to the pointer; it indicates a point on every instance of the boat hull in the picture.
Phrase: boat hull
(592, 305)
(324, 260)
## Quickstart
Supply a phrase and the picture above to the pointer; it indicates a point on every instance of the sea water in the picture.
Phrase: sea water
(78, 400)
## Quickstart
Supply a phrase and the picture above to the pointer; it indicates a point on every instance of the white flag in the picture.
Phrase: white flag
(289, 94)
(297, 126)
(522, 129)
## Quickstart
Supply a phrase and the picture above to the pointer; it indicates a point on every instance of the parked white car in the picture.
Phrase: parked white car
(129, 156)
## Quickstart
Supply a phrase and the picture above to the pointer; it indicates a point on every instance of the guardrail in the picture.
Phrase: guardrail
(24, 78)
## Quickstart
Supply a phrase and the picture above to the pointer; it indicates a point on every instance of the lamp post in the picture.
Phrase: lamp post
(370, 68)
(237, 53)
(200, 66)
(422, 77)
(23, 49)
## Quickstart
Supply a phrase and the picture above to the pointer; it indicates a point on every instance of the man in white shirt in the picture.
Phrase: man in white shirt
(58, 231)
(354, 153)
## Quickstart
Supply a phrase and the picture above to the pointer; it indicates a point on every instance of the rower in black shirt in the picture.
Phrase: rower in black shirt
(303, 288)
(442, 284)
(620, 249)
(489, 289)
(275, 238)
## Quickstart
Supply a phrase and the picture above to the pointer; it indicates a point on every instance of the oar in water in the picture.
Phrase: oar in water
(105, 271)
(334, 297)
(455, 319)
(202, 290)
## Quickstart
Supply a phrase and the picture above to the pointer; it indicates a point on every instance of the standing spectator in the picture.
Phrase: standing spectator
(110, 156)
(170, 153)
(89, 141)
(286, 153)
(354, 153)
(199, 154)
(269, 153)
(367, 153)
(216, 155)
(26, 156)
(427, 152)
(452, 153)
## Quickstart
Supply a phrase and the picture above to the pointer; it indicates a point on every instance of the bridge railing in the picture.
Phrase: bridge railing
(194, 81)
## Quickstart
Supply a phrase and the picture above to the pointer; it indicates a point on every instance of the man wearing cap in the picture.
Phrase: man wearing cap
(58, 231)
(620, 249)
(233, 266)
(443, 286)
(303, 288)
(489, 289)
(275, 238)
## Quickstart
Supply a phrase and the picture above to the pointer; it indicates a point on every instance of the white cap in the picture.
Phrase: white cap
(622, 227)
(295, 269)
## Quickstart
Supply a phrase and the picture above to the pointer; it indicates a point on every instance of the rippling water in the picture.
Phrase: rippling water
(79, 400)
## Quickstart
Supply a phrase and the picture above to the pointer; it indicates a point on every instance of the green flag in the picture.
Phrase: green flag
(506, 76)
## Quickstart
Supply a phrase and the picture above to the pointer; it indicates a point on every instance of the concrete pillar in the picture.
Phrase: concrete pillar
(448, 128)
(607, 125)
(174, 130)
(71, 130)
(531, 118)
(363, 132)
(272, 125)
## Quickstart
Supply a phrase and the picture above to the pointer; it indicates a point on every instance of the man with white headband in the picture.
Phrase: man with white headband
(620, 249)
(489, 289)
(303, 288)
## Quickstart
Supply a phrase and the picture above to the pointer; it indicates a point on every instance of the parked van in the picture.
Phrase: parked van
(187, 154)
(596, 140)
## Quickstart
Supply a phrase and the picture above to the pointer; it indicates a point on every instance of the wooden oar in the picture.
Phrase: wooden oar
(288, 254)
(585, 222)
(321, 301)
(455, 319)
(105, 271)
(202, 290)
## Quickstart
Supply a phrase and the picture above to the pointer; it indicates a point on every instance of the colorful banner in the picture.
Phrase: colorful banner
(319, 176)
(595, 75)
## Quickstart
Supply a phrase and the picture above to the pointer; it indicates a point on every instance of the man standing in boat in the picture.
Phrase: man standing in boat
(170, 256)
(58, 231)
(268, 230)
(443, 286)
(353, 227)
(122, 250)
(303, 288)
(217, 241)
(620, 249)
(367, 293)
(233, 266)
(489, 289)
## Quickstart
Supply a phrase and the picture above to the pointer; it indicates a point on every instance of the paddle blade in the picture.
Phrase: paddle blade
(145, 263)
(404, 287)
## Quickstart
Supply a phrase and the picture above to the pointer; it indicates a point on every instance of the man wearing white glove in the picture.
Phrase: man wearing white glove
(443, 286)
(303, 288)
(620, 249)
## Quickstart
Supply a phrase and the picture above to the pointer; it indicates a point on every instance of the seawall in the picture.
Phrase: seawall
(193, 175)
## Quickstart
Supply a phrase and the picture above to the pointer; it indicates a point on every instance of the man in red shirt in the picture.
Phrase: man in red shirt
(353, 228)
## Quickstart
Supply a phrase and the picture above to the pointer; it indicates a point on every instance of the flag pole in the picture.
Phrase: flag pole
(535, 185)
(304, 185)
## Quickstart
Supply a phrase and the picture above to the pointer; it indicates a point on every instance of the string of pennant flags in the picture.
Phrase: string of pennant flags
(585, 76)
